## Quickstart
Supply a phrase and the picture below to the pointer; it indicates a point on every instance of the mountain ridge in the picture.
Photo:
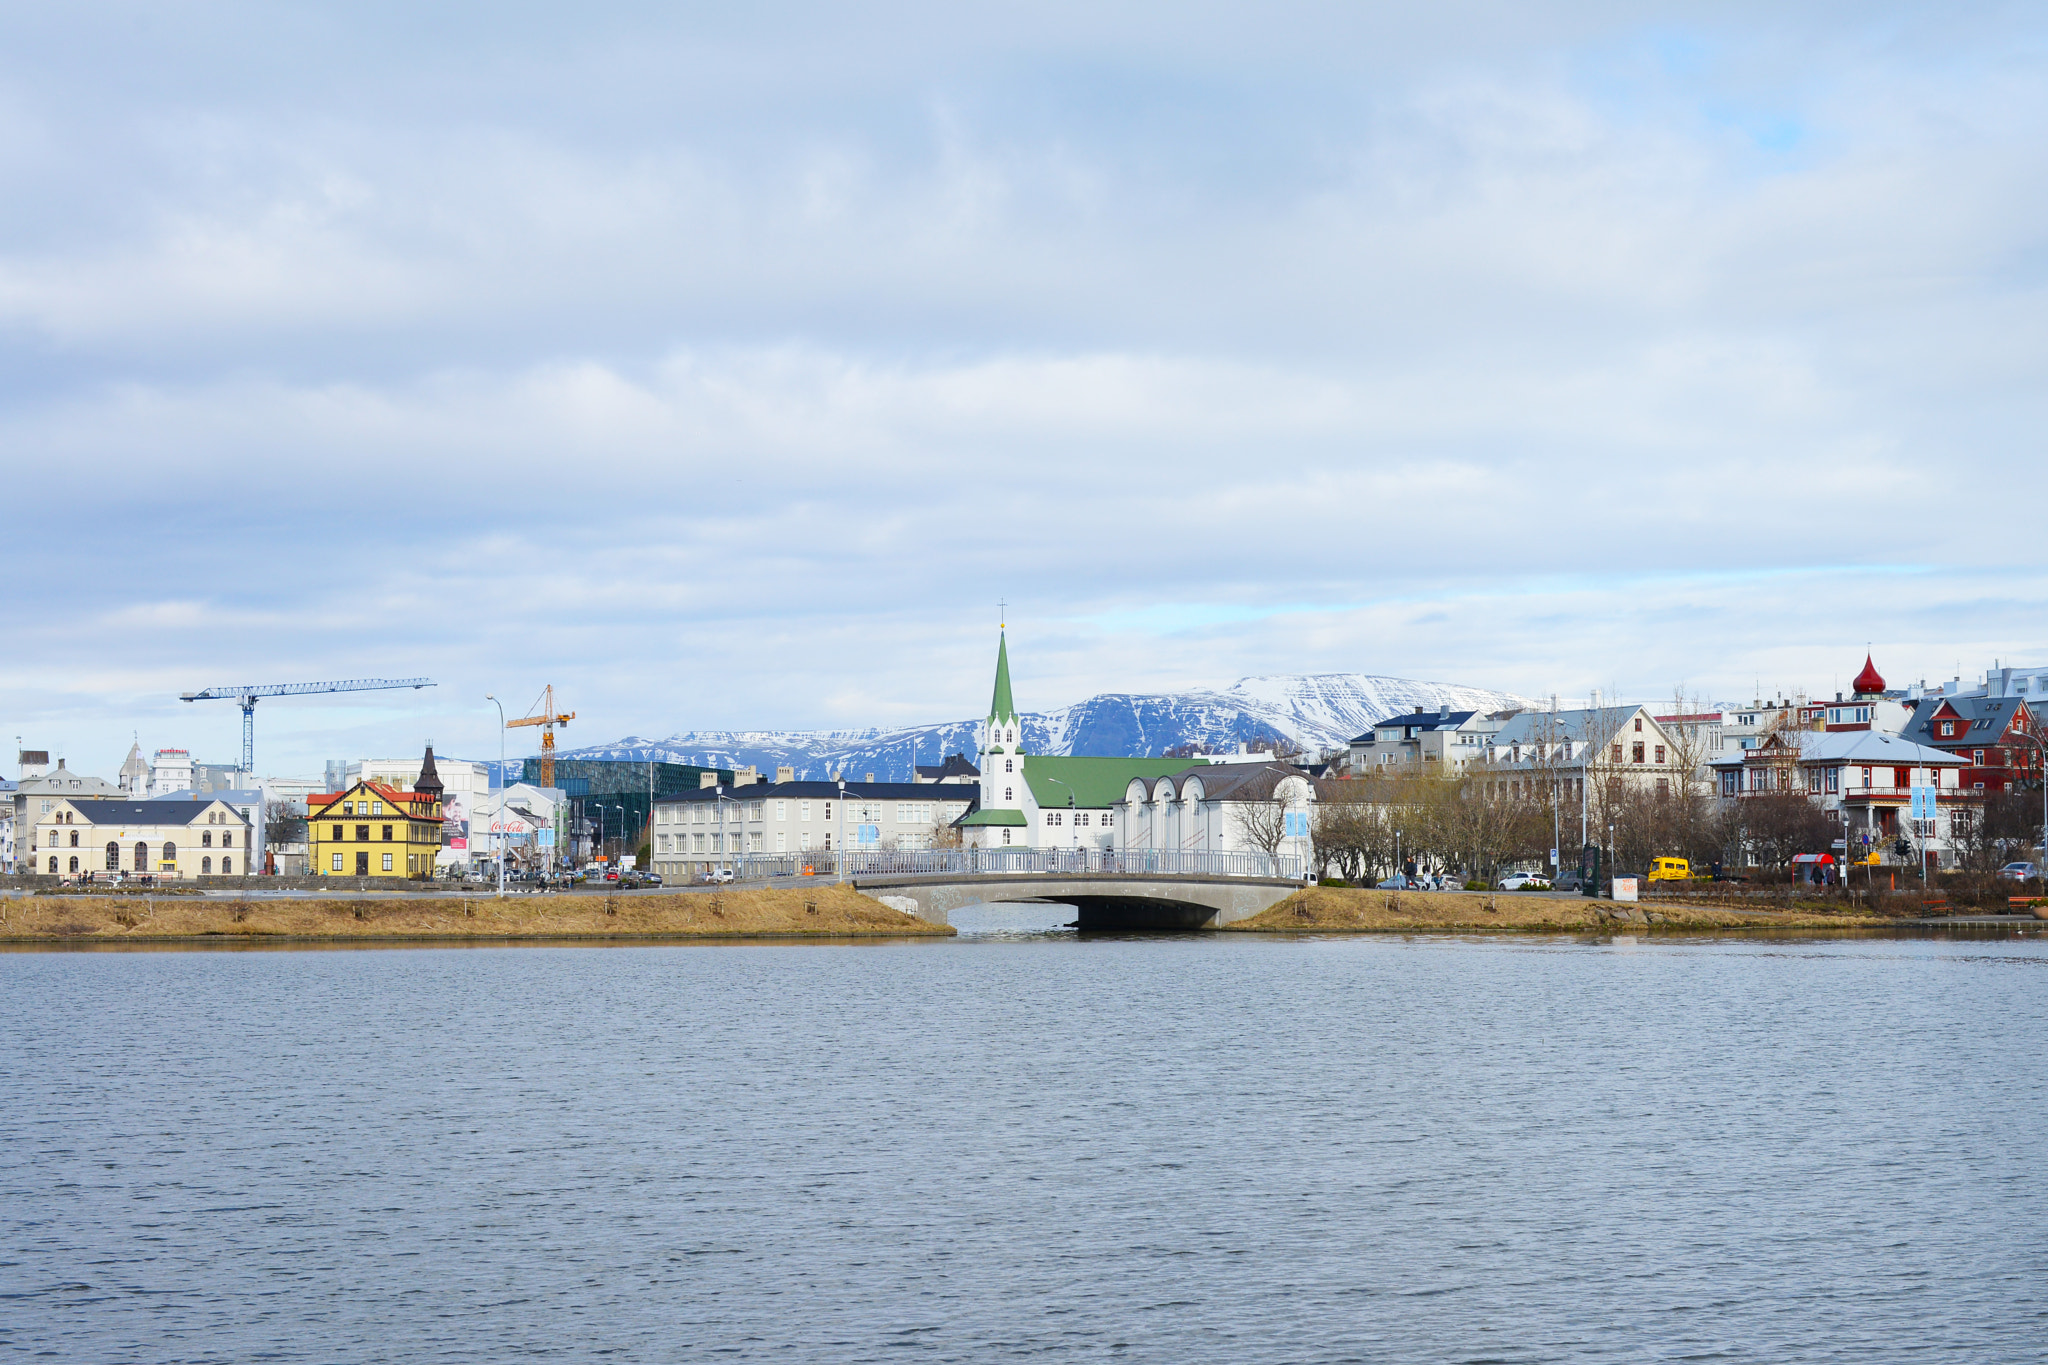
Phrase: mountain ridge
(1317, 711)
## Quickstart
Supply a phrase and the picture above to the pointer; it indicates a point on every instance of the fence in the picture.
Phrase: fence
(974, 861)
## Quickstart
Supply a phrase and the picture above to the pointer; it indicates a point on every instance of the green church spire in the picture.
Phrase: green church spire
(1002, 708)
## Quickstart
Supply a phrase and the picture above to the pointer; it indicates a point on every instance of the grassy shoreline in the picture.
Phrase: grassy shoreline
(1351, 910)
(816, 912)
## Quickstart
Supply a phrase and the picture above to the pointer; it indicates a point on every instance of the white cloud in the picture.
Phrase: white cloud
(725, 374)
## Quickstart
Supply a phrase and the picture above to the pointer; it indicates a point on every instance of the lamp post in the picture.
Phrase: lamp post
(839, 861)
(622, 836)
(498, 841)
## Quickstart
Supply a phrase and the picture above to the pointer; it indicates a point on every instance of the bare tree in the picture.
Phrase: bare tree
(1262, 824)
(284, 822)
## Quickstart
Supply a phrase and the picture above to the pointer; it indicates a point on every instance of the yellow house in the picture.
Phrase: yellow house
(376, 830)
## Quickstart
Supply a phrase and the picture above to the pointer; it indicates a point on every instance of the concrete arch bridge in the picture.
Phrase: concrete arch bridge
(1106, 900)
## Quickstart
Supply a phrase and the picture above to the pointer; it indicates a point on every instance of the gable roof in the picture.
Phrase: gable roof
(318, 802)
(1874, 747)
(1239, 781)
(1095, 783)
(1588, 726)
(1419, 720)
(1998, 714)
(956, 765)
(144, 812)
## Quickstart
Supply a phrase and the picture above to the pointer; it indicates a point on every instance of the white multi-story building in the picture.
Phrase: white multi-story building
(706, 829)
(40, 789)
(1441, 741)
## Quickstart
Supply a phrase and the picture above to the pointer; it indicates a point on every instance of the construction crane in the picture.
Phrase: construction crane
(247, 697)
(544, 715)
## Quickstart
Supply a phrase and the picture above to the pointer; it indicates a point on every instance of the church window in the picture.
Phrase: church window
(1006, 793)
(1009, 765)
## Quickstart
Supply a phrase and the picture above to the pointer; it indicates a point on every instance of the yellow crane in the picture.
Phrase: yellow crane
(544, 715)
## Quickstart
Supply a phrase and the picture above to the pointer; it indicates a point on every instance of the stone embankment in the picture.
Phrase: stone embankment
(813, 912)
(1324, 909)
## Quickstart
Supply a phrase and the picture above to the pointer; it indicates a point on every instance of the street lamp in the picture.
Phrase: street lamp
(499, 840)
(622, 834)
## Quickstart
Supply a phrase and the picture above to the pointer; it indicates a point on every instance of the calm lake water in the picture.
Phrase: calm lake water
(1023, 1146)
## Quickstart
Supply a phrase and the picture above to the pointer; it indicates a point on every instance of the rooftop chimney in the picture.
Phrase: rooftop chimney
(785, 774)
(869, 778)
(706, 780)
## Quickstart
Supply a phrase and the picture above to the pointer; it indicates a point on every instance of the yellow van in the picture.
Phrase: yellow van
(1670, 870)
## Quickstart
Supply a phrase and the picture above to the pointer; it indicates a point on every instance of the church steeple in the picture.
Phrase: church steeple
(1001, 710)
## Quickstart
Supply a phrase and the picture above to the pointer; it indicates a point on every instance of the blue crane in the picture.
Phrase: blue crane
(247, 697)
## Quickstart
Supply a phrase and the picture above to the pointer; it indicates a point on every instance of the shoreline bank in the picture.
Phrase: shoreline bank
(821, 912)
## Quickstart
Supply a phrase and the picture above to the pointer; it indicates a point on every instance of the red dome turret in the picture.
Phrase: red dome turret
(1869, 682)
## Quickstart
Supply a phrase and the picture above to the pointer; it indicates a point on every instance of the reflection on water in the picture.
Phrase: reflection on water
(1194, 1148)
(1013, 920)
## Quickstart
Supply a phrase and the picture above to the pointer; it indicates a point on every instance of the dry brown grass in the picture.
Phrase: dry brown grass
(1324, 909)
(810, 912)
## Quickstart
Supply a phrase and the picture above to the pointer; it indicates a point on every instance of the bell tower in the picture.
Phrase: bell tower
(1002, 771)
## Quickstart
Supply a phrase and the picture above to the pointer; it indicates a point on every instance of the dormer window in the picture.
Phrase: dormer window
(1948, 727)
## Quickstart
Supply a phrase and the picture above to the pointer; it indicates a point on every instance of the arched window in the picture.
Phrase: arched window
(206, 838)
(53, 863)
(206, 864)
(74, 839)
(170, 854)
(113, 857)
(142, 857)
(227, 865)
(74, 864)
(1006, 793)
(227, 838)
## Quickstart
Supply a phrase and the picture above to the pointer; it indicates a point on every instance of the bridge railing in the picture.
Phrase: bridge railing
(856, 862)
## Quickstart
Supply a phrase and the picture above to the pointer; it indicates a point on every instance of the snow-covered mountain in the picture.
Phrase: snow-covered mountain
(1317, 711)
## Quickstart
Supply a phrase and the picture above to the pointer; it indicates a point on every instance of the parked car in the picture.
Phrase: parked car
(2020, 872)
(1670, 870)
(1524, 881)
(1396, 883)
(718, 874)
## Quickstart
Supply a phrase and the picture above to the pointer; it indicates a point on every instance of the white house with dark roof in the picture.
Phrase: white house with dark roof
(40, 789)
(1217, 809)
(170, 840)
(1866, 775)
(1557, 753)
(1443, 737)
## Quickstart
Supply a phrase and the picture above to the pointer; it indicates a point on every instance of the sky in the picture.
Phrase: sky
(727, 366)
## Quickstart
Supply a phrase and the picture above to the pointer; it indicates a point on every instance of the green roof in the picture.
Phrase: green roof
(1094, 782)
(994, 817)
(1002, 708)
